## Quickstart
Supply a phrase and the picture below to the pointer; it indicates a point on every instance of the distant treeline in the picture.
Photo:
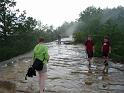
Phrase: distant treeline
(19, 33)
(99, 23)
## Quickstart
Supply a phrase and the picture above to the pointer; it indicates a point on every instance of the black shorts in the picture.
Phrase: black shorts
(105, 54)
(90, 54)
(106, 63)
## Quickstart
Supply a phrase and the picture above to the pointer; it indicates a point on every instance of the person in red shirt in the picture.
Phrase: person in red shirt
(89, 47)
(106, 49)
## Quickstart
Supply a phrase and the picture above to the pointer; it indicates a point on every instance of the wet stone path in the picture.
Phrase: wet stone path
(68, 72)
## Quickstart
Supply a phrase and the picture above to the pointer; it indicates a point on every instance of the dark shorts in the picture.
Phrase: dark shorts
(105, 54)
(106, 63)
(89, 54)
(39, 66)
(44, 70)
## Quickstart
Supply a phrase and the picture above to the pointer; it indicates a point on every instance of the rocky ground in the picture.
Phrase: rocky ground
(68, 72)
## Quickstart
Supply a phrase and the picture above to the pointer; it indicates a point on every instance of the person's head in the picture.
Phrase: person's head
(89, 37)
(40, 40)
(106, 39)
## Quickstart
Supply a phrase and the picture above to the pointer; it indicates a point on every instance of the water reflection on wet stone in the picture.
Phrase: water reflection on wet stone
(68, 72)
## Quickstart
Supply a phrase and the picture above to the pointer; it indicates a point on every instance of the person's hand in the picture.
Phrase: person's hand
(110, 51)
(93, 50)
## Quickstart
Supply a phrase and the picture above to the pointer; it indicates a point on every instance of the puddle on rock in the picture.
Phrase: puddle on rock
(68, 72)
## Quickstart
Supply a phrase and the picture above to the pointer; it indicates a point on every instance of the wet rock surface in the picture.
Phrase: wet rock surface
(68, 72)
(7, 87)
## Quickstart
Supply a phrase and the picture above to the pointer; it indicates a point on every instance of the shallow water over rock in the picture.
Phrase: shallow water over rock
(68, 72)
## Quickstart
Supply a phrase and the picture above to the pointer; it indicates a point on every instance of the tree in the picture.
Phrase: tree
(90, 14)
(100, 23)
(7, 17)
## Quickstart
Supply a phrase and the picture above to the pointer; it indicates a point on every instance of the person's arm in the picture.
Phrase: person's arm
(33, 56)
(34, 52)
(109, 49)
(85, 45)
(46, 54)
(93, 49)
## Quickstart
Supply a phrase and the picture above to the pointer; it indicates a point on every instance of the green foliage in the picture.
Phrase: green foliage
(100, 23)
(18, 33)
(79, 37)
(7, 17)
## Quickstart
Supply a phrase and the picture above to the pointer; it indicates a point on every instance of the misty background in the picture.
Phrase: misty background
(20, 29)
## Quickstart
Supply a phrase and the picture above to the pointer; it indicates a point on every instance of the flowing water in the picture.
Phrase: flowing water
(68, 72)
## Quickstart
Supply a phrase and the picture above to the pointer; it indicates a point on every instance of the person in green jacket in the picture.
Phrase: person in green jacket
(41, 52)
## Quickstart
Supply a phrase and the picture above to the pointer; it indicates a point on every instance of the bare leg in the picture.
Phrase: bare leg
(89, 59)
(105, 65)
(42, 78)
(107, 69)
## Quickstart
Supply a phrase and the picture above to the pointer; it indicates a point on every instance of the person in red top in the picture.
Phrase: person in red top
(106, 49)
(89, 47)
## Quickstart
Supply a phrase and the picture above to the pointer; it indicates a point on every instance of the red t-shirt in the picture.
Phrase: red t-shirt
(106, 46)
(89, 45)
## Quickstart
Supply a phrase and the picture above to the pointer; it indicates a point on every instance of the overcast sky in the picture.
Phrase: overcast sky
(56, 12)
